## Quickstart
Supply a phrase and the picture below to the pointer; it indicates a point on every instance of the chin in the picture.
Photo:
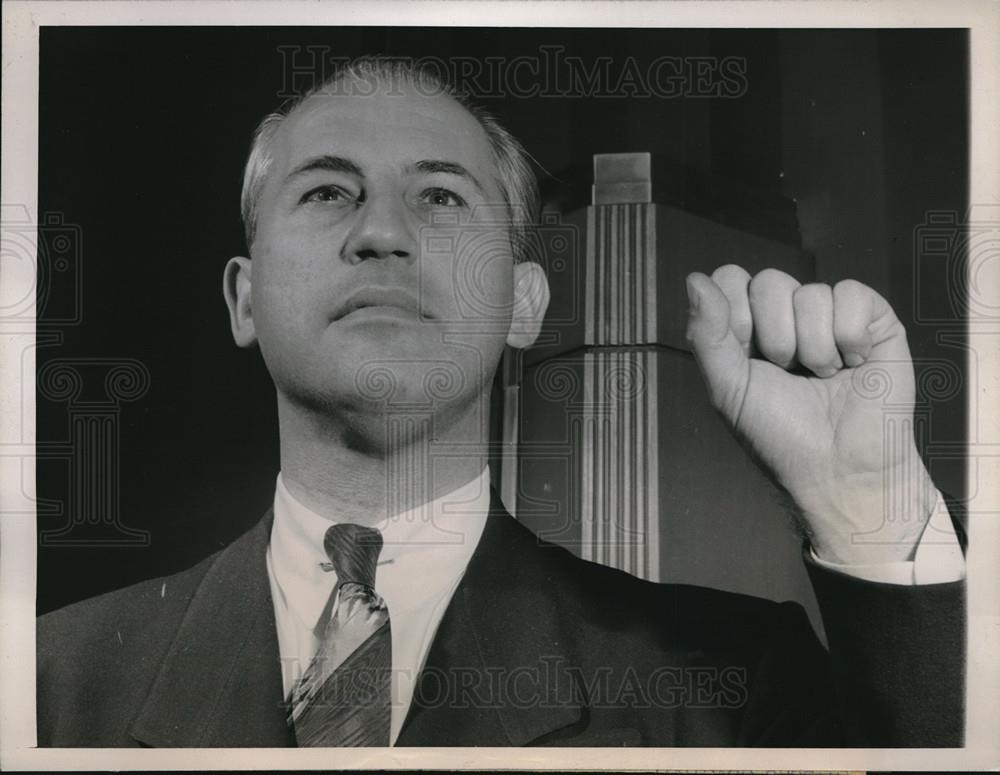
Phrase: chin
(397, 375)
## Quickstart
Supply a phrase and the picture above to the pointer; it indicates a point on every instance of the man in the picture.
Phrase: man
(388, 599)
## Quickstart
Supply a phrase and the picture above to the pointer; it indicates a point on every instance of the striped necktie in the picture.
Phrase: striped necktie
(343, 697)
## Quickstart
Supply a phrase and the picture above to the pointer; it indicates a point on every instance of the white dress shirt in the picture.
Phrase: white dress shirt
(938, 558)
(424, 556)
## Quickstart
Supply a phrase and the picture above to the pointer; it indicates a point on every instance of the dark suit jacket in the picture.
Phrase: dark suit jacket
(536, 647)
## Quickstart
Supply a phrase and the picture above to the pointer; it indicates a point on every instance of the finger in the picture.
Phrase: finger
(815, 347)
(734, 280)
(864, 320)
(770, 295)
(852, 314)
(720, 356)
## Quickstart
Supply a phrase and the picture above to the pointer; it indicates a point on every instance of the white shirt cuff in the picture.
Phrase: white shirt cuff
(938, 559)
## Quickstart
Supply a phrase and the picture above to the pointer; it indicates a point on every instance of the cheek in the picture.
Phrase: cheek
(479, 281)
(286, 285)
(479, 289)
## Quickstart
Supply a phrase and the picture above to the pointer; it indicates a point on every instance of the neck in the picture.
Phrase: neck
(364, 469)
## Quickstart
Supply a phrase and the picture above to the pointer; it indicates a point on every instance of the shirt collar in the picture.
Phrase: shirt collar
(441, 535)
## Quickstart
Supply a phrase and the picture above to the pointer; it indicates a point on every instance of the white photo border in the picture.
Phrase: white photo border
(18, 541)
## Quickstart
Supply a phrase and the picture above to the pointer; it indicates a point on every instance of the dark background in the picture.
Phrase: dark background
(142, 140)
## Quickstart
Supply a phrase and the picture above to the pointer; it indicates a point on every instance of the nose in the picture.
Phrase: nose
(381, 231)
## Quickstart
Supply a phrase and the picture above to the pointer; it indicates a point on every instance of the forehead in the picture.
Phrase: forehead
(386, 127)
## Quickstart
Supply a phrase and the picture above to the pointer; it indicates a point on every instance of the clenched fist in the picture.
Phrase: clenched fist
(790, 368)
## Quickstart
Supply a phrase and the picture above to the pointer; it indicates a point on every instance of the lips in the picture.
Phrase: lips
(392, 298)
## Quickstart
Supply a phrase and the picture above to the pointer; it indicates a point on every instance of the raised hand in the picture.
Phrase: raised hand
(818, 382)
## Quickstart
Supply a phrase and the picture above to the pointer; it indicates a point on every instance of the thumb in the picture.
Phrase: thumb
(723, 361)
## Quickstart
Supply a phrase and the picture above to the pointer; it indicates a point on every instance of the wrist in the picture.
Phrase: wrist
(872, 525)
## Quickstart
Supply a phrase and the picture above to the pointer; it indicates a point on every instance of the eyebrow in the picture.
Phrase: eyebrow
(328, 163)
(449, 168)
(332, 163)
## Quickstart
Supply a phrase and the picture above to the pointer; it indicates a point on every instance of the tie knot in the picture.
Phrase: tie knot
(353, 550)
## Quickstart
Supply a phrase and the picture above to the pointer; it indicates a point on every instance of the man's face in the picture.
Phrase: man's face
(381, 269)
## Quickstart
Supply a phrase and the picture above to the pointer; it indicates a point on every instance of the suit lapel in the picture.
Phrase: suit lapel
(495, 674)
(220, 682)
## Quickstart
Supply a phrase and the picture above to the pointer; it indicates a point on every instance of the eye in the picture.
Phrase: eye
(328, 193)
(442, 197)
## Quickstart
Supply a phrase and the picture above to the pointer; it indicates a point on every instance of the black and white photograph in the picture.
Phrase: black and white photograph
(443, 380)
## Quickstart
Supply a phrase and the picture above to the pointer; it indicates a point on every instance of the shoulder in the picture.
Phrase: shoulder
(121, 612)
(142, 610)
(602, 599)
(103, 654)
(114, 638)
(714, 646)
(98, 659)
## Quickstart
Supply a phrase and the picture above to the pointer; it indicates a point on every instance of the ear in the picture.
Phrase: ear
(236, 288)
(531, 299)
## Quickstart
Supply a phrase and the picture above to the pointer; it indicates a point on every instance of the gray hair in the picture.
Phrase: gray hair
(514, 175)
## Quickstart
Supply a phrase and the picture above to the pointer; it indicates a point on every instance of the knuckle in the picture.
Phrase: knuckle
(803, 301)
(771, 282)
(741, 323)
(848, 331)
(811, 294)
(777, 349)
(814, 357)
(849, 287)
(772, 275)
(731, 273)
